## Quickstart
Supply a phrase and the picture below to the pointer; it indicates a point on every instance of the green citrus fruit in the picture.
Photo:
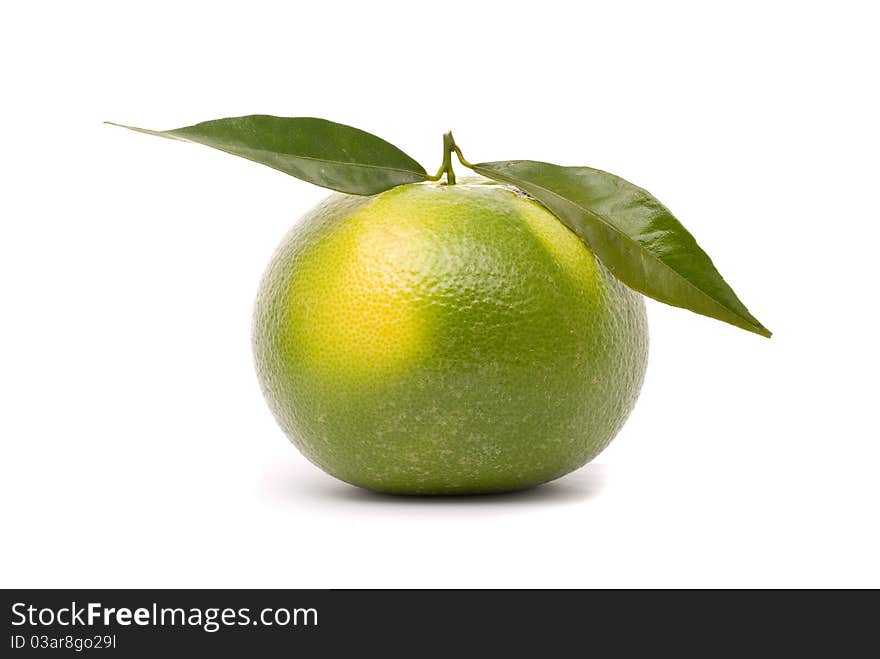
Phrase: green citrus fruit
(437, 339)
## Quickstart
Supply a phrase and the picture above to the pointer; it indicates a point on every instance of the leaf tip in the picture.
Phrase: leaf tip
(113, 123)
(756, 328)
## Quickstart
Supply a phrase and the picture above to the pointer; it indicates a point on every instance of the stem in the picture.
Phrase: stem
(461, 157)
(449, 146)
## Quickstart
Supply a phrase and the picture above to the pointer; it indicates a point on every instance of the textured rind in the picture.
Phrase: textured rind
(445, 340)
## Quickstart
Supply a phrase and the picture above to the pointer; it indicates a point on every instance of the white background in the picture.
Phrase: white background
(136, 447)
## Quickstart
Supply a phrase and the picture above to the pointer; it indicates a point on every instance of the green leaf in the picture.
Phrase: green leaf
(322, 152)
(632, 233)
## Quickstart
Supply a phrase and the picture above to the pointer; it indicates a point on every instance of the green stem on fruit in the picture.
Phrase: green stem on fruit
(461, 157)
(449, 146)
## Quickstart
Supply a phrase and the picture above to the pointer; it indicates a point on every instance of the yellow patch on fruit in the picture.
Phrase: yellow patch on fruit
(366, 321)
